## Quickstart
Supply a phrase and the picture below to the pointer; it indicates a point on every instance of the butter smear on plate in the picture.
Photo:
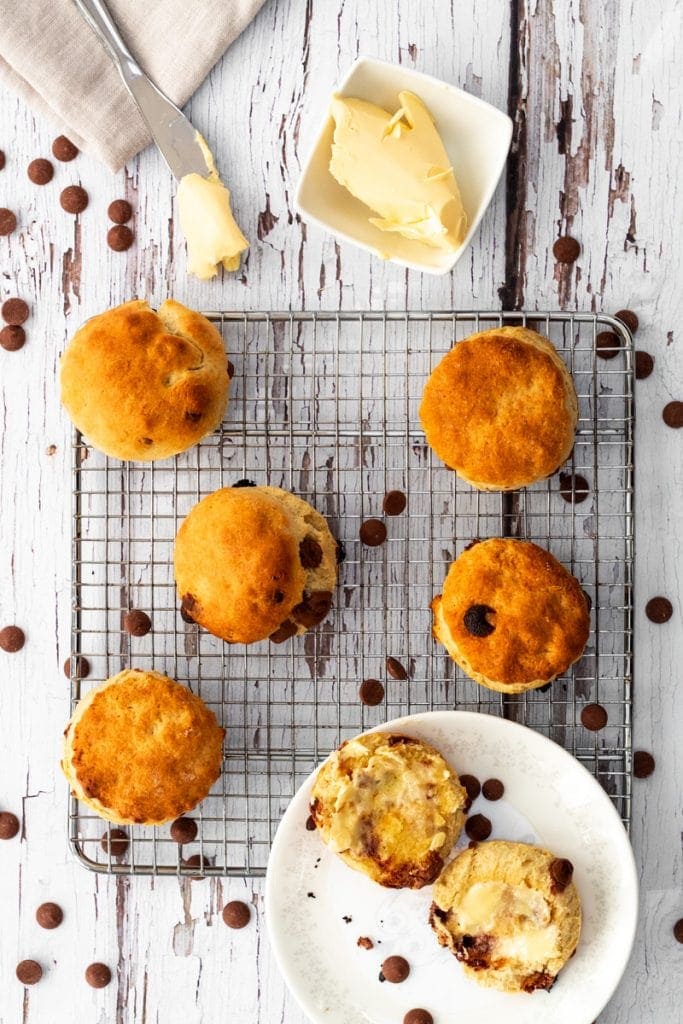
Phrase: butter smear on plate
(206, 220)
(397, 165)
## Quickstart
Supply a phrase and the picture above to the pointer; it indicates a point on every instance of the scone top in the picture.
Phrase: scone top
(500, 409)
(145, 385)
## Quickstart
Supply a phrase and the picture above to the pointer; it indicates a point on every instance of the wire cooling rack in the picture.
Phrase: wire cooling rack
(325, 404)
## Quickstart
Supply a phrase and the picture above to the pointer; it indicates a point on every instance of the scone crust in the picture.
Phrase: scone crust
(238, 564)
(142, 749)
(145, 385)
(389, 806)
(516, 868)
(539, 611)
(500, 409)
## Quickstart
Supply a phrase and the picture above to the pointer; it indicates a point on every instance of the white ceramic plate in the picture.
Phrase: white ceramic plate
(476, 137)
(549, 799)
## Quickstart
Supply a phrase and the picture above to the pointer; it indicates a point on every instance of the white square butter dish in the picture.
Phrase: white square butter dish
(476, 137)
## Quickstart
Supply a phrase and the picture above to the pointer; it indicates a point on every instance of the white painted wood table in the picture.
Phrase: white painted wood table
(595, 91)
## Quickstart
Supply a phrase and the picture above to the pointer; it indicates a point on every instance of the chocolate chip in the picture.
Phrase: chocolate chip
(120, 238)
(244, 483)
(561, 871)
(589, 604)
(231, 369)
(566, 249)
(394, 503)
(472, 788)
(538, 980)
(310, 824)
(574, 488)
(120, 211)
(643, 764)
(2, 160)
(236, 914)
(8, 221)
(373, 532)
(278, 597)
(678, 930)
(341, 552)
(73, 199)
(197, 861)
(115, 842)
(594, 717)
(673, 415)
(63, 149)
(137, 623)
(418, 1016)
(657, 609)
(644, 364)
(12, 337)
(187, 606)
(284, 632)
(365, 942)
(396, 669)
(49, 915)
(472, 845)
(607, 344)
(476, 622)
(81, 667)
(394, 969)
(14, 311)
(313, 608)
(629, 318)
(12, 639)
(40, 171)
(371, 692)
(184, 830)
(310, 553)
(493, 789)
(478, 827)
(29, 972)
(9, 825)
(97, 975)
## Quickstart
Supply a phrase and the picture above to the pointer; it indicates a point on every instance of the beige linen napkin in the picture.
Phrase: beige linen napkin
(51, 57)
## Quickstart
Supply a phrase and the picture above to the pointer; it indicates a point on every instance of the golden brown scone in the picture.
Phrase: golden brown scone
(389, 806)
(510, 913)
(142, 749)
(500, 409)
(145, 385)
(510, 615)
(255, 562)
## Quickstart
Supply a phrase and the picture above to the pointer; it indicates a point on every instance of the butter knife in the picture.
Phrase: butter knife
(175, 137)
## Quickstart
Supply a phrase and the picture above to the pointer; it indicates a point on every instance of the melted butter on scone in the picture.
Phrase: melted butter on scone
(519, 917)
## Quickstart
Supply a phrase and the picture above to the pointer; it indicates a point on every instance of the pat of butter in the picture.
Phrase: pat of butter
(519, 917)
(397, 165)
(212, 235)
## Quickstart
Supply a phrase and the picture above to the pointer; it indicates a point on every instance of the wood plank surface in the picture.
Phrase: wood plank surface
(595, 91)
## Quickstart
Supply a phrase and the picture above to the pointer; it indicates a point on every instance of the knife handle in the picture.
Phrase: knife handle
(103, 25)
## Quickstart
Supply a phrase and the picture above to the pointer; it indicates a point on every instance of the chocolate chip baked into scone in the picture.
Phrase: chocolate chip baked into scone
(142, 749)
(511, 615)
(510, 913)
(389, 806)
(500, 409)
(255, 562)
(145, 385)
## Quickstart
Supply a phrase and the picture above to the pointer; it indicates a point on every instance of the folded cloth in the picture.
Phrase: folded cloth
(51, 57)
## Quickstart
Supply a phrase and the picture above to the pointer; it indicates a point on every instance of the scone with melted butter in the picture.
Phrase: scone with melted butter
(510, 913)
(389, 806)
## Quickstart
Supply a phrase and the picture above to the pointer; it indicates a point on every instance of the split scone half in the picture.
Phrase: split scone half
(510, 913)
(389, 806)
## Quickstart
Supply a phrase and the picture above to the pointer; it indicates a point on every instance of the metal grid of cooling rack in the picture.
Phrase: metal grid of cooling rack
(326, 404)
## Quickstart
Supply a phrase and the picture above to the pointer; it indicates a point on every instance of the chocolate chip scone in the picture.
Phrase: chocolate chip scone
(510, 913)
(145, 385)
(511, 615)
(500, 409)
(389, 806)
(255, 562)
